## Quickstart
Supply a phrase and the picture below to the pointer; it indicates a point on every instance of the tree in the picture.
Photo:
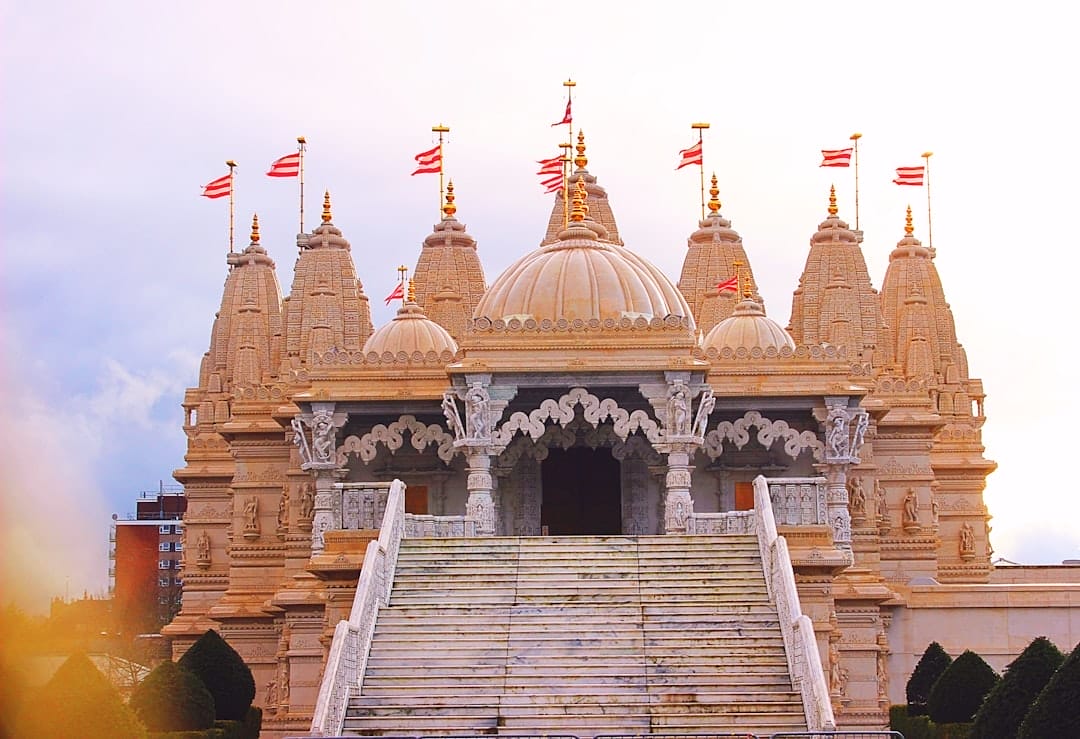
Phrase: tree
(933, 662)
(1006, 705)
(1056, 712)
(960, 690)
(224, 673)
(78, 701)
(172, 698)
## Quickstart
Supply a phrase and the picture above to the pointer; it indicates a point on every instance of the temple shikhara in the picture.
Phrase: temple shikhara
(586, 498)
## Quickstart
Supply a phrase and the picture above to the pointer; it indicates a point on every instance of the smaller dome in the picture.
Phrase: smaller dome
(410, 331)
(748, 327)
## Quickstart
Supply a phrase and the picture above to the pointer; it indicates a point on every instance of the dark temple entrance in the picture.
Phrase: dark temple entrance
(581, 492)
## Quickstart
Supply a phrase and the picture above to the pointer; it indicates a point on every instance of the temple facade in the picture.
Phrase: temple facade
(583, 392)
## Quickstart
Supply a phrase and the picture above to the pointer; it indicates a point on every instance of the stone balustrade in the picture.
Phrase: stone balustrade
(794, 501)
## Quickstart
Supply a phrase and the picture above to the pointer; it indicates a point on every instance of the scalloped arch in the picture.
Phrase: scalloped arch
(738, 432)
(392, 437)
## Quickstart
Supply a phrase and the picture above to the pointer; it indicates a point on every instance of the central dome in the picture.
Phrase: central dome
(581, 278)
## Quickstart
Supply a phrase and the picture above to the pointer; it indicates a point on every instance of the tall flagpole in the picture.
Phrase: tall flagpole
(701, 165)
(929, 223)
(440, 129)
(302, 142)
(570, 85)
(402, 272)
(232, 200)
(855, 137)
(566, 181)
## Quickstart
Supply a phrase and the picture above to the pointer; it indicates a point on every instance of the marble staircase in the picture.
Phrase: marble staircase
(577, 635)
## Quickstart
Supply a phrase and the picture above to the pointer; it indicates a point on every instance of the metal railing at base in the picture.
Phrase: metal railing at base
(734, 735)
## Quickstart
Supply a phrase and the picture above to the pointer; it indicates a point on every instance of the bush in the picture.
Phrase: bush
(249, 728)
(1006, 705)
(172, 698)
(933, 662)
(78, 702)
(223, 673)
(960, 690)
(1056, 712)
(912, 727)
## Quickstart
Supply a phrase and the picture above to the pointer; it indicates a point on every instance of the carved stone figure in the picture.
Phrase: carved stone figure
(935, 508)
(911, 508)
(678, 408)
(453, 416)
(322, 436)
(271, 694)
(967, 540)
(307, 501)
(837, 433)
(857, 495)
(860, 432)
(705, 409)
(283, 508)
(251, 514)
(202, 548)
(835, 673)
(300, 440)
(476, 412)
(880, 501)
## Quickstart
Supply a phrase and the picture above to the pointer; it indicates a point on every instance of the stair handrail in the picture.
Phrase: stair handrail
(348, 655)
(800, 645)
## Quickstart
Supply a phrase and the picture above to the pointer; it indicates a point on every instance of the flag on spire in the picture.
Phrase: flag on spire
(567, 118)
(692, 155)
(429, 162)
(909, 176)
(286, 166)
(836, 157)
(551, 174)
(729, 285)
(397, 293)
(219, 188)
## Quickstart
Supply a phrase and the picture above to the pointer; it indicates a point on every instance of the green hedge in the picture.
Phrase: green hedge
(934, 661)
(1056, 712)
(1005, 706)
(223, 673)
(960, 690)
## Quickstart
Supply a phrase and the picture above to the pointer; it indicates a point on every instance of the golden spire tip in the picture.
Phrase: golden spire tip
(255, 229)
(577, 214)
(301, 140)
(714, 201)
(909, 229)
(326, 207)
(833, 210)
(412, 292)
(449, 209)
(580, 161)
(927, 154)
(855, 136)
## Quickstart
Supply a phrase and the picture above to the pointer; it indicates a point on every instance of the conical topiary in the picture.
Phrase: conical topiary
(1056, 712)
(933, 662)
(78, 701)
(172, 698)
(223, 673)
(960, 690)
(1006, 705)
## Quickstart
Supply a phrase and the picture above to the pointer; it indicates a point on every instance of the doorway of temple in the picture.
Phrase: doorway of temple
(581, 493)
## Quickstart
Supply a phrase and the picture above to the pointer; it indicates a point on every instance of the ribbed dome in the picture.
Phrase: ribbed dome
(410, 332)
(747, 328)
(579, 277)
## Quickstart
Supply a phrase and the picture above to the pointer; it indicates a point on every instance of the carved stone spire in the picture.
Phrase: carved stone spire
(327, 307)
(599, 205)
(712, 251)
(835, 303)
(449, 279)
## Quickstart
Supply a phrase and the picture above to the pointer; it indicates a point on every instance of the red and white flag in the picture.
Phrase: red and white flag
(909, 176)
(567, 118)
(690, 156)
(551, 166)
(729, 285)
(429, 162)
(286, 166)
(219, 188)
(551, 174)
(552, 185)
(397, 294)
(836, 157)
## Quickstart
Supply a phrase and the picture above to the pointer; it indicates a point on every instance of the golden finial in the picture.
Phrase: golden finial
(577, 214)
(908, 228)
(449, 209)
(833, 210)
(326, 207)
(714, 202)
(255, 229)
(412, 291)
(580, 160)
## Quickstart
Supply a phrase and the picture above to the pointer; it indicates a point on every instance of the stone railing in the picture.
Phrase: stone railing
(798, 501)
(352, 639)
(804, 660)
(732, 522)
(419, 526)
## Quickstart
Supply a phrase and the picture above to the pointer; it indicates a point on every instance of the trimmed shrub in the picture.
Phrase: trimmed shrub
(172, 698)
(78, 701)
(223, 673)
(1056, 712)
(1006, 705)
(912, 727)
(249, 728)
(933, 662)
(960, 690)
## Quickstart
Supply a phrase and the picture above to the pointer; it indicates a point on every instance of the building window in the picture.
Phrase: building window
(163, 582)
(178, 581)
(164, 564)
(163, 546)
(178, 546)
(163, 529)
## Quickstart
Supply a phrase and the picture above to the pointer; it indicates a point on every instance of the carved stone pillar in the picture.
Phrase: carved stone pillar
(678, 505)
(481, 505)
(319, 456)
(845, 431)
